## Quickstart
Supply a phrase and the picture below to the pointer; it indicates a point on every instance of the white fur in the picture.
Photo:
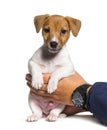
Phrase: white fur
(54, 39)
(59, 66)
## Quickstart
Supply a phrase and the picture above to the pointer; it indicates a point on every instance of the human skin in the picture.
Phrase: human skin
(65, 88)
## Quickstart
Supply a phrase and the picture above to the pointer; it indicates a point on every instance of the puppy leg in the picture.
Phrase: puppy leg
(57, 75)
(54, 114)
(35, 71)
(36, 110)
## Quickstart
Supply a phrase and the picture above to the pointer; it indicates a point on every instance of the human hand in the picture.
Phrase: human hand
(63, 93)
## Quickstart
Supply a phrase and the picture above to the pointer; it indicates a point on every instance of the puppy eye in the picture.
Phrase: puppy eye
(46, 30)
(63, 31)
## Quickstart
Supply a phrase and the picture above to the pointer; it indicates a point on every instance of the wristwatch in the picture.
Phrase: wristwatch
(79, 96)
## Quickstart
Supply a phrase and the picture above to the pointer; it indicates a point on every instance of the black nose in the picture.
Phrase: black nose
(53, 44)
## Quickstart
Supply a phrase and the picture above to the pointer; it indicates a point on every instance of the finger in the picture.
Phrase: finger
(28, 77)
(44, 88)
(29, 84)
(46, 78)
(40, 93)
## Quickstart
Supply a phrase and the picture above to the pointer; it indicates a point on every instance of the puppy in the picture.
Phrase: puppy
(52, 57)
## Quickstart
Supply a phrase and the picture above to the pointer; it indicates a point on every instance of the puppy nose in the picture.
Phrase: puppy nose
(53, 44)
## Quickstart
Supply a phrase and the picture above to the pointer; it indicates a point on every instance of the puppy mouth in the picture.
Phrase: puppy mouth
(54, 50)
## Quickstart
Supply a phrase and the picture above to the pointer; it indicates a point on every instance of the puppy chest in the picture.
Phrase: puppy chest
(49, 67)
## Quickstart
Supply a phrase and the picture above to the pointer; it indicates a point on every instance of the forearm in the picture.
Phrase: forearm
(71, 110)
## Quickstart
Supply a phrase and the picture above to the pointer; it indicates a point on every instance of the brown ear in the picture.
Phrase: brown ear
(39, 20)
(74, 24)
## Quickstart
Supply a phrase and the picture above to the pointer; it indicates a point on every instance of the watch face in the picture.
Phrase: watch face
(77, 99)
(79, 95)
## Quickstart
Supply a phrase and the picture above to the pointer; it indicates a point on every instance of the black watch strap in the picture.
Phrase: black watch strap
(79, 96)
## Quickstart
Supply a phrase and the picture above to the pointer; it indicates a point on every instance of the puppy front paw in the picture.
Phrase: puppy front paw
(32, 118)
(37, 81)
(52, 117)
(52, 85)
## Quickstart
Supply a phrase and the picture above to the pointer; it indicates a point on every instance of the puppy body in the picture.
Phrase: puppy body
(51, 58)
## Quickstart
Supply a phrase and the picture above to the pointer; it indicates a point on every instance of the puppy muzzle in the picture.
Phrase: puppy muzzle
(53, 47)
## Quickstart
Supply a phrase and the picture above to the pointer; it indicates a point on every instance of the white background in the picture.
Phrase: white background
(18, 41)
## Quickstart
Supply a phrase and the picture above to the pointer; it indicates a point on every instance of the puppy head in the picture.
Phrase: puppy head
(56, 30)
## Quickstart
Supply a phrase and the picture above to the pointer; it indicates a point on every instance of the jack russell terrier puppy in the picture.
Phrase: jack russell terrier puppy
(52, 57)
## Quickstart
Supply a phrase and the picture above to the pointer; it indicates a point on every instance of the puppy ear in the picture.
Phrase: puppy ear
(39, 21)
(74, 25)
